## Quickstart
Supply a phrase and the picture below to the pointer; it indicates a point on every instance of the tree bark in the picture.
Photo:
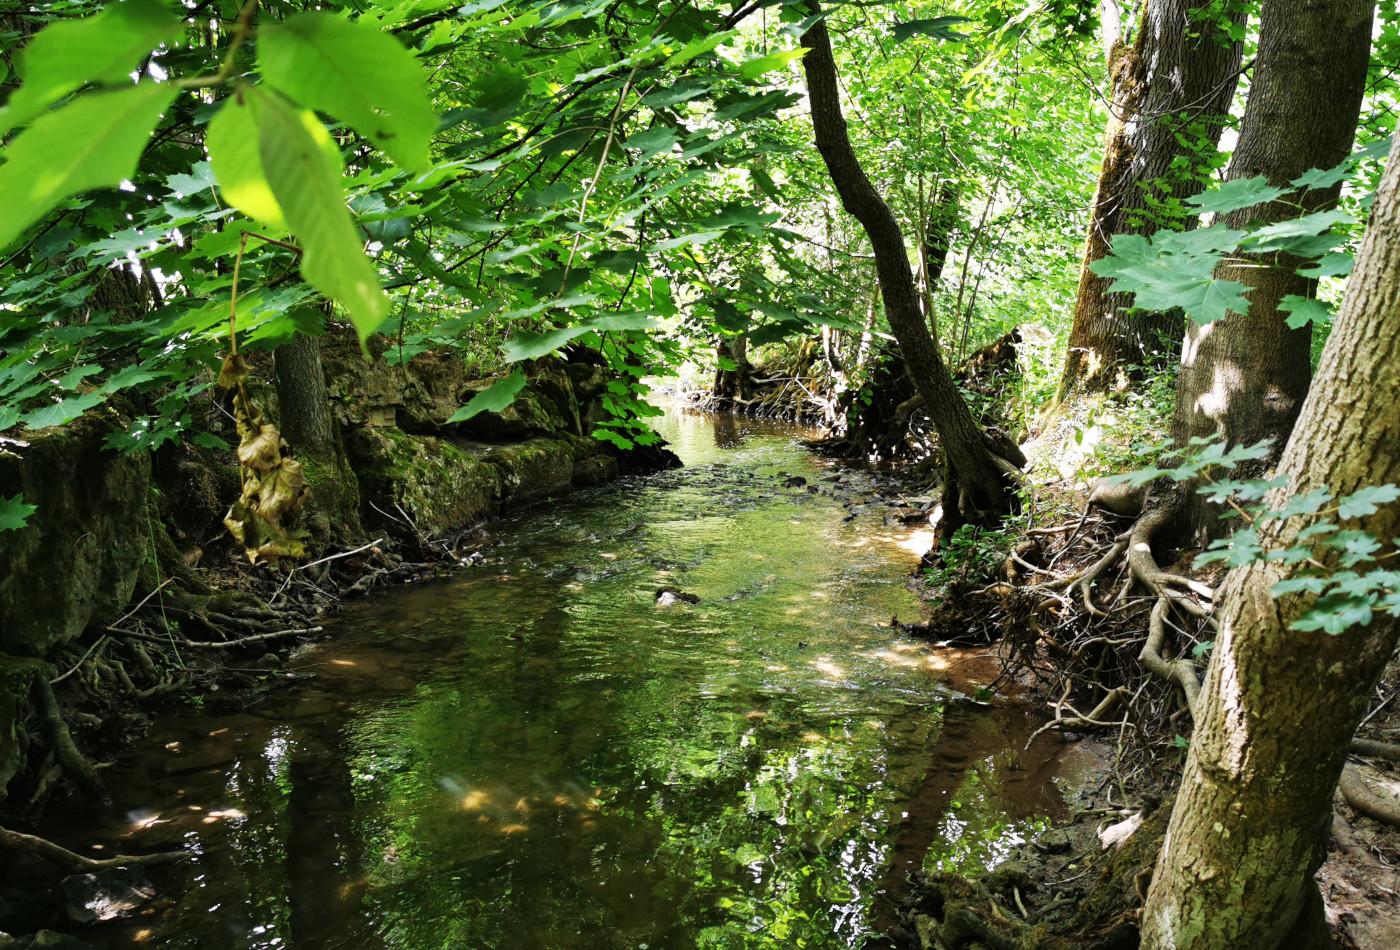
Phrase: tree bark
(1171, 94)
(975, 482)
(732, 385)
(304, 405)
(308, 425)
(1244, 378)
(1279, 706)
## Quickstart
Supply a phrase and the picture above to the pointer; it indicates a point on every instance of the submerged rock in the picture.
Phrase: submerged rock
(669, 596)
(104, 895)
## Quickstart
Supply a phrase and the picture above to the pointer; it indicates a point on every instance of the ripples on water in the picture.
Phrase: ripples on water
(535, 755)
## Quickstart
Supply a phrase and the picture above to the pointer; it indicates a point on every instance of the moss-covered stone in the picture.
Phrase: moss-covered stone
(595, 470)
(77, 560)
(440, 487)
(532, 469)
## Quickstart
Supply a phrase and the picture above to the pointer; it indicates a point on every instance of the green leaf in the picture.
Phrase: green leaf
(200, 178)
(234, 154)
(301, 170)
(493, 398)
(356, 73)
(94, 141)
(1304, 310)
(1336, 264)
(1300, 235)
(767, 64)
(1236, 194)
(68, 54)
(63, 412)
(1335, 615)
(14, 513)
(940, 27)
(1367, 501)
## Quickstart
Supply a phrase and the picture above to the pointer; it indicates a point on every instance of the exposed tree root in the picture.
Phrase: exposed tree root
(1360, 795)
(21, 843)
(75, 765)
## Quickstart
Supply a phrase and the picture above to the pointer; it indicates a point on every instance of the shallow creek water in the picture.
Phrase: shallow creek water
(533, 754)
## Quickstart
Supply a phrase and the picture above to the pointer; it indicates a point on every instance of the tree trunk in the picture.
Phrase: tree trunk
(1279, 706)
(934, 245)
(304, 404)
(732, 385)
(1171, 94)
(306, 421)
(975, 484)
(1244, 377)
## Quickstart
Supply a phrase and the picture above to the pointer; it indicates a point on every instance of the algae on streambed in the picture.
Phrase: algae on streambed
(536, 754)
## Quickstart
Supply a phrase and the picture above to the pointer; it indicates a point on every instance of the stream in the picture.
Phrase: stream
(534, 754)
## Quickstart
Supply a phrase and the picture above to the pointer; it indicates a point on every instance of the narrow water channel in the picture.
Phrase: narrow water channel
(536, 755)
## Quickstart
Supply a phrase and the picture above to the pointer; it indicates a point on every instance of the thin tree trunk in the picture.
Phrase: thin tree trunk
(1279, 706)
(974, 487)
(1244, 377)
(1171, 87)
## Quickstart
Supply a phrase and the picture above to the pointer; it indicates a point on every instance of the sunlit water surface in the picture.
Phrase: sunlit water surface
(535, 755)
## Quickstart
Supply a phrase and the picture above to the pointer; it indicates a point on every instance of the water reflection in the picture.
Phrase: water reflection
(536, 755)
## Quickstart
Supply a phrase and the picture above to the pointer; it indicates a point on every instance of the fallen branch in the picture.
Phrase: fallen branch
(224, 644)
(72, 861)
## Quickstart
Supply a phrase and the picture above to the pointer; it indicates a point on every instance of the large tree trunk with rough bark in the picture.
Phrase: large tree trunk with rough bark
(1279, 706)
(975, 484)
(308, 425)
(1244, 378)
(1171, 94)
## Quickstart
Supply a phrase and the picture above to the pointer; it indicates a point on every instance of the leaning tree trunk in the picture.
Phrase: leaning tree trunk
(1244, 378)
(1279, 706)
(975, 486)
(1171, 94)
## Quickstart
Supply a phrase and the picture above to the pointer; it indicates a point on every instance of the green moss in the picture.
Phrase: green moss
(440, 487)
(534, 468)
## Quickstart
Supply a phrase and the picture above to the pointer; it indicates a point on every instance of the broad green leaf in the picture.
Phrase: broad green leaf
(14, 513)
(67, 55)
(356, 73)
(1335, 614)
(940, 27)
(531, 346)
(63, 412)
(698, 47)
(493, 398)
(200, 178)
(1304, 310)
(1236, 194)
(1367, 501)
(1336, 264)
(295, 151)
(1298, 235)
(94, 141)
(773, 61)
(232, 141)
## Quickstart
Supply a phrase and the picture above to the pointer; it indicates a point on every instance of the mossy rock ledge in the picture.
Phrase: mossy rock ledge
(76, 562)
